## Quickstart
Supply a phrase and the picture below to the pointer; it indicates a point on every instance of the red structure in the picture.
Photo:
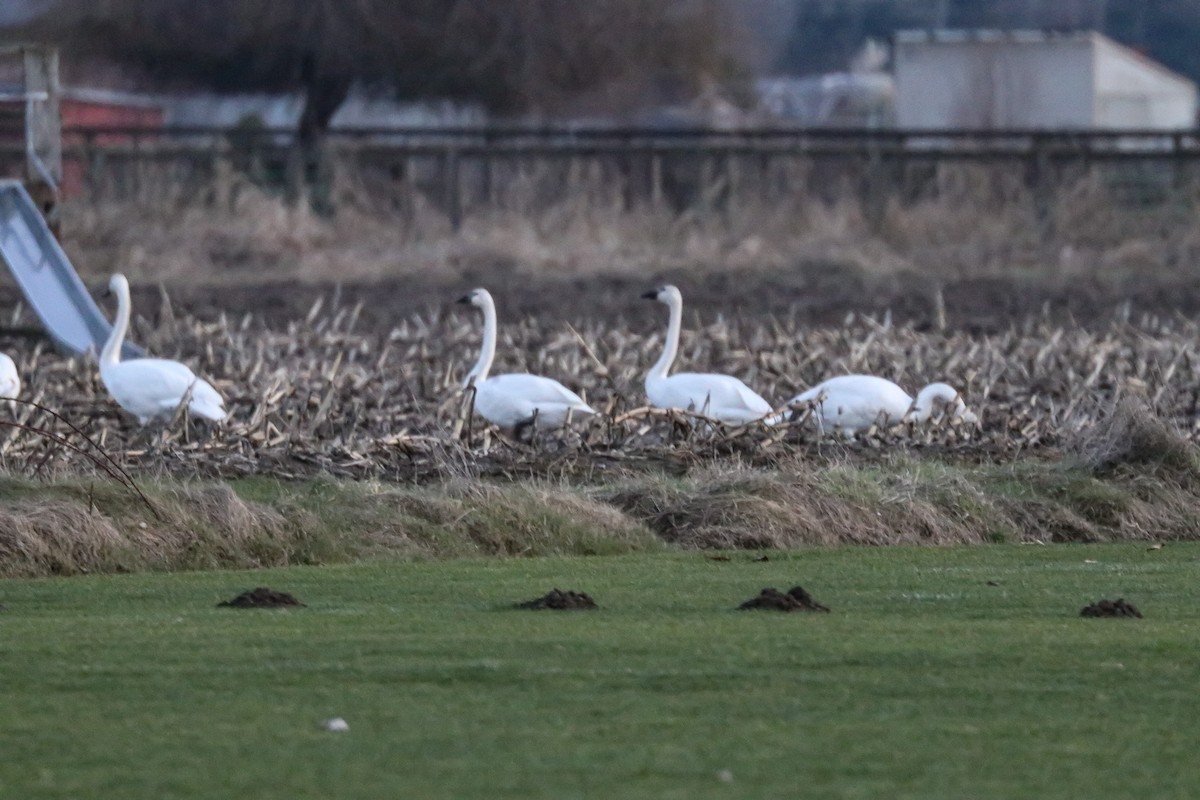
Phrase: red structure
(98, 108)
(111, 118)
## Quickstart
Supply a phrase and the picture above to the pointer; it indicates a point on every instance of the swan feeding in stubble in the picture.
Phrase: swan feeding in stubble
(151, 388)
(515, 400)
(722, 397)
(853, 403)
(10, 379)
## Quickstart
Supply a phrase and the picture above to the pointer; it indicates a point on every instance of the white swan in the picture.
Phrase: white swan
(722, 397)
(151, 388)
(852, 403)
(10, 379)
(516, 400)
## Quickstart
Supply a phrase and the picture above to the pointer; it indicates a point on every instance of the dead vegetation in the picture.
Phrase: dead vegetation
(70, 526)
(331, 395)
(573, 216)
(807, 498)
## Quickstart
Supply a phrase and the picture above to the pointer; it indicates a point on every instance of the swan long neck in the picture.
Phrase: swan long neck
(111, 354)
(487, 353)
(671, 345)
(932, 398)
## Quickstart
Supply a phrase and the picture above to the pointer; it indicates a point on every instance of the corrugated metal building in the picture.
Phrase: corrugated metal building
(1034, 80)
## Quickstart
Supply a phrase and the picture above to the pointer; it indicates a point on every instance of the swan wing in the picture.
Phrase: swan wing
(855, 402)
(514, 399)
(721, 396)
(10, 379)
(207, 401)
(537, 389)
(751, 399)
(151, 387)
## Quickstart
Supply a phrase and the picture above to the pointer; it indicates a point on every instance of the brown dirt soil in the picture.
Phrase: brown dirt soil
(558, 600)
(812, 294)
(771, 599)
(262, 597)
(1111, 608)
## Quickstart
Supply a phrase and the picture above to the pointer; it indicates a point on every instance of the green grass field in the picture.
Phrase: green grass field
(924, 682)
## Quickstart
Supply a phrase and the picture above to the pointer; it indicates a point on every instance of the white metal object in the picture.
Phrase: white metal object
(44, 273)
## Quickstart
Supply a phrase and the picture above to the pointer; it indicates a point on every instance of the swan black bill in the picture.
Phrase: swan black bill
(465, 299)
(651, 295)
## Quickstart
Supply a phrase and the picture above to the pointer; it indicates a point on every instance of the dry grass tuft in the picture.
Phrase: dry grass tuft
(71, 528)
(902, 500)
(803, 505)
(461, 518)
(59, 537)
(1131, 435)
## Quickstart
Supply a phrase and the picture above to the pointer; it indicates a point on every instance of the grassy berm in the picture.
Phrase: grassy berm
(1132, 476)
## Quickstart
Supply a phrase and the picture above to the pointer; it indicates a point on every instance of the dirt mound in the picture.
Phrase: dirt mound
(558, 600)
(772, 599)
(262, 597)
(1111, 608)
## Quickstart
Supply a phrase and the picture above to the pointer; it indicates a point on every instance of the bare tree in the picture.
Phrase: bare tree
(513, 56)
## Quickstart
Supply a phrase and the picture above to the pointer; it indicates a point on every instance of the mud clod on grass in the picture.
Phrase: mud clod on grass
(262, 597)
(771, 599)
(558, 600)
(1111, 608)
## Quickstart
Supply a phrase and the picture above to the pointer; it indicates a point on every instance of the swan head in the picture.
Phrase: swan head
(664, 294)
(118, 284)
(476, 297)
(942, 398)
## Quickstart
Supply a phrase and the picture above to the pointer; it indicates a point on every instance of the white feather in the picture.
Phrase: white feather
(853, 403)
(151, 388)
(516, 399)
(10, 379)
(722, 397)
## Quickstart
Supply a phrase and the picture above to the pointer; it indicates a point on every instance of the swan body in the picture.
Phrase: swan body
(722, 397)
(519, 399)
(151, 388)
(853, 403)
(10, 379)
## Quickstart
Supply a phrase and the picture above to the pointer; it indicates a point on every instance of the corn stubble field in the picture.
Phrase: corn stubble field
(325, 395)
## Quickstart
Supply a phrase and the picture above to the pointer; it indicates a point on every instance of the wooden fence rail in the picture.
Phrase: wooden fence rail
(462, 168)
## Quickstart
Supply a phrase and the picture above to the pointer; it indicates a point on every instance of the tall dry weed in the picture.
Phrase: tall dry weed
(1130, 434)
(583, 217)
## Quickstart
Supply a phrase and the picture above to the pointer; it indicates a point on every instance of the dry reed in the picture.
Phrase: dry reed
(574, 216)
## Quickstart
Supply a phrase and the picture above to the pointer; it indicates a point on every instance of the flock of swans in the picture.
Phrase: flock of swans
(156, 389)
(847, 404)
